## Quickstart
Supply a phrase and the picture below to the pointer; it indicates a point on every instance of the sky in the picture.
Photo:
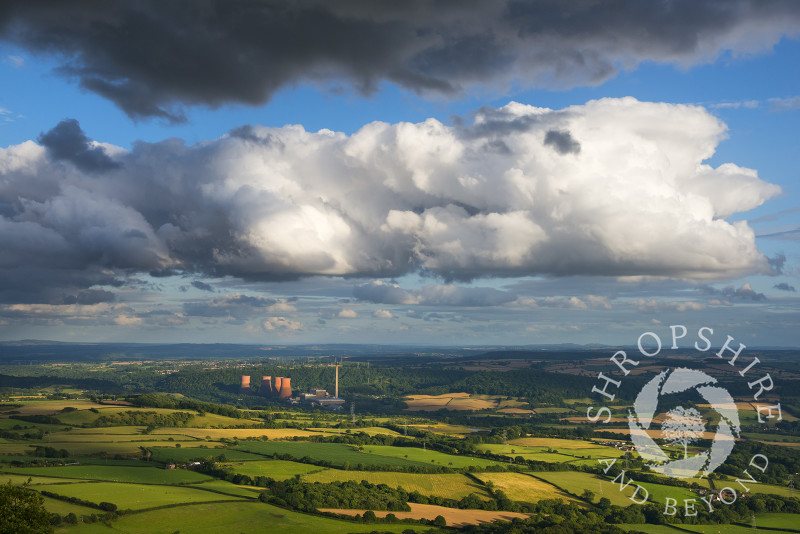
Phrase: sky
(436, 173)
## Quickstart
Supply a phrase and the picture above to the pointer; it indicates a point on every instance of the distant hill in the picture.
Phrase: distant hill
(27, 351)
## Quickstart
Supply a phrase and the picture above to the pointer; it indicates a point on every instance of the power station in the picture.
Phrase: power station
(321, 397)
(282, 388)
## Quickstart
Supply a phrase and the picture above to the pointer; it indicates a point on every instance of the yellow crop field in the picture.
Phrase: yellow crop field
(453, 516)
(453, 486)
(105, 431)
(75, 437)
(576, 482)
(427, 405)
(471, 404)
(521, 487)
(231, 433)
(554, 443)
(450, 401)
(460, 395)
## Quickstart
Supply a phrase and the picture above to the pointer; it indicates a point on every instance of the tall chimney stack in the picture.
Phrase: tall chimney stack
(336, 387)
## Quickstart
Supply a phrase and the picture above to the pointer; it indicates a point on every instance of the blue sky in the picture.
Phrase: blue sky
(652, 181)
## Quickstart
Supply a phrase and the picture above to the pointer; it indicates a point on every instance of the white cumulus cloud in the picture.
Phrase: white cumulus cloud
(615, 187)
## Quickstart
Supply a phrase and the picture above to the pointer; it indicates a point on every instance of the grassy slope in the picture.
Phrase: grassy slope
(231, 517)
(453, 486)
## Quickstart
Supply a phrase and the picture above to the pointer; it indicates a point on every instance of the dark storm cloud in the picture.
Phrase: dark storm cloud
(90, 296)
(562, 142)
(53, 284)
(380, 292)
(151, 58)
(66, 141)
(249, 133)
(744, 293)
(202, 286)
(236, 306)
(783, 286)
(777, 262)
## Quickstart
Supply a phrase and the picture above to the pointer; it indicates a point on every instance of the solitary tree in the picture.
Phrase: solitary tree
(22, 511)
(682, 427)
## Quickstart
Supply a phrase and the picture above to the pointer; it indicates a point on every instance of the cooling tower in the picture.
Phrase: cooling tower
(245, 387)
(266, 385)
(286, 388)
(277, 389)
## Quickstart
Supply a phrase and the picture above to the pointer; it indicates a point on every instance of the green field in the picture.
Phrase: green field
(23, 479)
(787, 521)
(651, 529)
(7, 424)
(143, 475)
(776, 438)
(721, 529)
(277, 469)
(185, 454)
(659, 492)
(540, 454)
(555, 443)
(135, 496)
(575, 482)
(108, 465)
(429, 457)
(78, 418)
(16, 448)
(783, 491)
(336, 453)
(221, 486)
(85, 417)
(453, 486)
(233, 517)
(441, 428)
(53, 407)
(55, 506)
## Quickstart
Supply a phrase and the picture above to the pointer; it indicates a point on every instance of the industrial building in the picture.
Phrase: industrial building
(321, 397)
(282, 388)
